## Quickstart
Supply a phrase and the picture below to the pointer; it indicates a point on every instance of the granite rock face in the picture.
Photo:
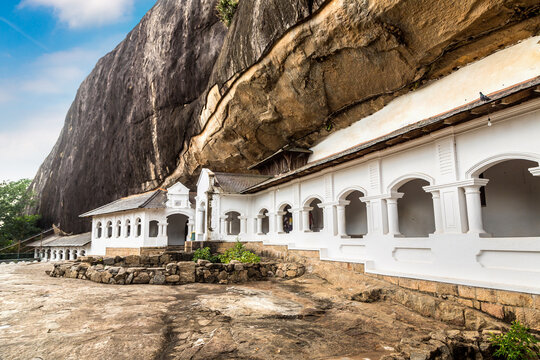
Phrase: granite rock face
(182, 92)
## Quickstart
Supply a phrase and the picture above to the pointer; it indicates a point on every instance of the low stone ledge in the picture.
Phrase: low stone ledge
(126, 271)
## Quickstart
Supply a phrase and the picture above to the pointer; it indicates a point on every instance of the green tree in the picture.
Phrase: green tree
(14, 223)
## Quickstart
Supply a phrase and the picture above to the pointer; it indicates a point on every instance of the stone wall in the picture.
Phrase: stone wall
(112, 252)
(165, 269)
(453, 303)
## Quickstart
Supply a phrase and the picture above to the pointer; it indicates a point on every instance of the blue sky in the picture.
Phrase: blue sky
(47, 48)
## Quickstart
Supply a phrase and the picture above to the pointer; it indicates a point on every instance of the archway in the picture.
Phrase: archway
(109, 229)
(128, 228)
(355, 215)
(265, 222)
(316, 215)
(177, 229)
(99, 230)
(118, 228)
(287, 220)
(415, 209)
(233, 222)
(138, 226)
(511, 199)
(153, 228)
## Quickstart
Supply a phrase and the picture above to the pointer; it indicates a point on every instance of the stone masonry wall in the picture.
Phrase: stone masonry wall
(430, 298)
(164, 269)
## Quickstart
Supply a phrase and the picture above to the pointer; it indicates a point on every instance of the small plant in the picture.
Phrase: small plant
(226, 10)
(239, 252)
(205, 254)
(516, 344)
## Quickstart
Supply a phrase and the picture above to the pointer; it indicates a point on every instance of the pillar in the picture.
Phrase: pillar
(259, 220)
(279, 218)
(436, 195)
(36, 253)
(341, 220)
(200, 221)
(393, 215)
(223, 225)
(474, 207)
(243, 225)
(296, 223)
(305, 219)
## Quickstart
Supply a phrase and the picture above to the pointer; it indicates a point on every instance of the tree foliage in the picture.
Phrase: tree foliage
(14, 223)
(226, 10)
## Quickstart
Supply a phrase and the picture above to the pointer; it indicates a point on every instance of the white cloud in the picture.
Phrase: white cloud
(34, 102)
(60, 72)
(22, 150)
(86, 13)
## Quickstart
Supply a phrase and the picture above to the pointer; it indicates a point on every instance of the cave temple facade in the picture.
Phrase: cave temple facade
(441, 184)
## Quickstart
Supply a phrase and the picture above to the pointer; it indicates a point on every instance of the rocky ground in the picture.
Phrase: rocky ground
(304, 318)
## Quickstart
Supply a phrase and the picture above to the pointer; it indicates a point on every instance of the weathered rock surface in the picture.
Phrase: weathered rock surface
(180, 93)
(303, 318)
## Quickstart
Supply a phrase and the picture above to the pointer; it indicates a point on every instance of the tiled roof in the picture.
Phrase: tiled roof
(236, 183)
(150, 200)
(57, 240)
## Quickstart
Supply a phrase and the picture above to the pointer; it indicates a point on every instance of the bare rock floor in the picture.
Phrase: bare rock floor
(304, 318)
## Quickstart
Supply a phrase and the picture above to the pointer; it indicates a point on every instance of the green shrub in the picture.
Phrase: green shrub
(516, 344)
(239, 252)
(205, 254)
(226, 10)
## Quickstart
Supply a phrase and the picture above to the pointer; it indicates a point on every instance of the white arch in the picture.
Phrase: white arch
(186, 212)
(485, 164)
(262, 210)
(310, 198)
(233, 210)
(283, 205)
(397, 183)
(346, 192)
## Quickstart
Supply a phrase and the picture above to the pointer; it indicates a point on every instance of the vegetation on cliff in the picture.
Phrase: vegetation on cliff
(226, 10)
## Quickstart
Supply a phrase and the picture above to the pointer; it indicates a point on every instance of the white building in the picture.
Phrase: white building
(57, 247)
(154, 219)
(438, 185)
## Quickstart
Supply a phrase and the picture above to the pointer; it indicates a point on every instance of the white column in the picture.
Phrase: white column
(341, 221)
(305, 218)
(437, 211)
(190, 229)
(259, 220)
(393, 215)
(297, 223)
(243, 225)
(474, 207)
(369, 217)
(200, 221)
(223, 225)
(36, 253)
(279, 218)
